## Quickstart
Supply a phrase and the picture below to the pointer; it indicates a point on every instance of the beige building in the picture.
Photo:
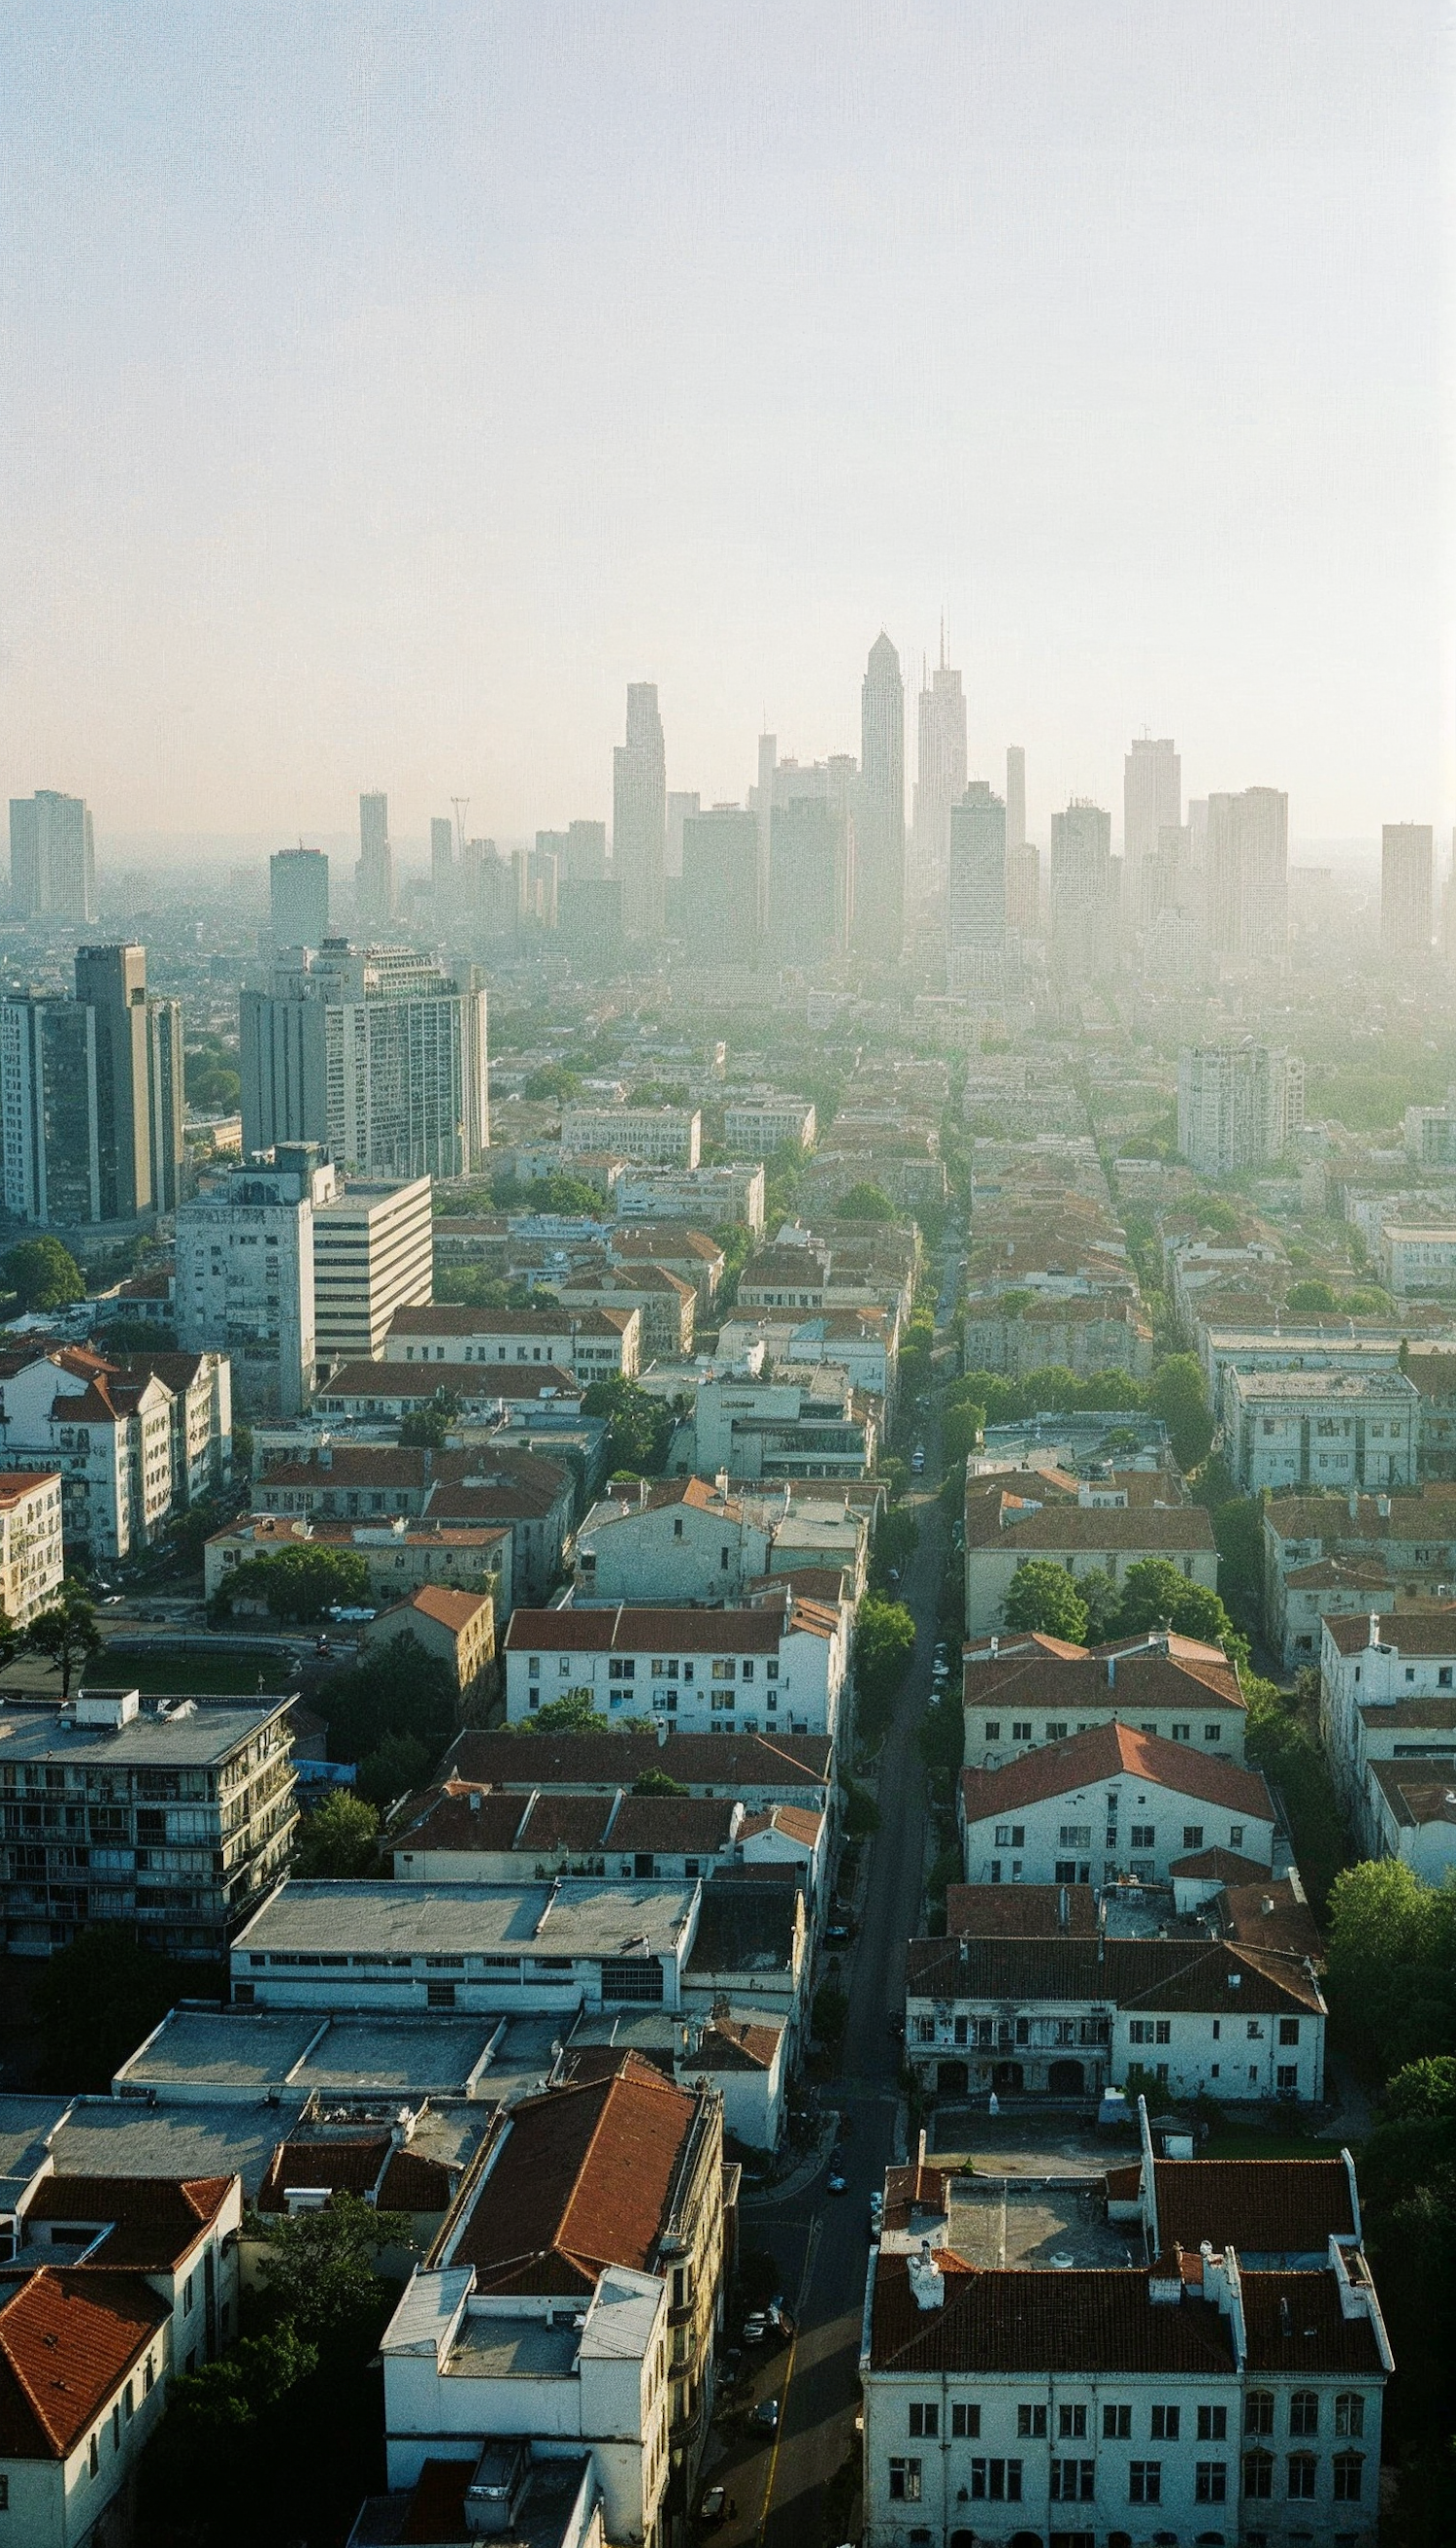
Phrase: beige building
(31, 1564)
(1095, 1531)
(458, 1628)
(373, 1251)
(400, 1555)
(595, 1344)
(660, 1136)
(665, 1304)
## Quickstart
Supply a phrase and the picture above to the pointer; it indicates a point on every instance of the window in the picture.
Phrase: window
(1144, 2481)
(1258, 2476)
(1142, 1835)
(439, 1994)
(904, 2481)
(1289, 2030)
(995, 2481)
(1071, 2423)
(1287, 2078)
(624, 1668)
(993, 1730)
(925, 2423)
(965, 2424)
(1076, 1836)
(1349, 2413)
(1151, 2029)
(1255, 2034)
(93, 2455)
(1193, 1835)
(1181, 1733)
(1011, 1835)
(1166, 2423)
(722, 1667)
(770, 1673)
(1235, 1834)
(1116, 2423)
(747, 1672)
(187, 2294)
(1304, 2411)
(1212, 2423)
(1302, 2467)
(1056, 1733)
(1072, 2480)
(1021, 1729)
(1212, 1734)
(533, 1667)
(4, 2495)
(1349, 2470)
(1030, 2423)
(1209, 2482)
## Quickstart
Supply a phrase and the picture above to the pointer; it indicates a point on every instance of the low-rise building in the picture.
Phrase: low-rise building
(31, 1554)
(1348, 1432)
(1405, 1544)
(1386, 1699)
(751, 1950)
(753, 1669)
(246, 1274)
(1418, 1262)
(1434, 1375)
(458, 1628)
(679, 1250)
(1021, 1692)
(666, 1306)
(762, 1769)
(814, 1424)
(713, 1197)
(1068, 2017)
(109, 1437)
(758, 1126)
(489, 1487)
(85, 2366)
(386, 1393)
(658, 1135)
(173, 1820)
(681, 1539)
(1122, 1803)
(1087, 1531)
(1413, 1811)
(471, 1557)
(460, 1833)
(593, 1344)
(201, 1418)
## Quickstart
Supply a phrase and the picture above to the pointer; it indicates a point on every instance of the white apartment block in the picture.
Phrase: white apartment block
(658, 1136)
(1109, 1805)
(1004, 1532)
(31, 1558)
(679, 1540)
(779, 1669)
(245, 1275)
(1342, 1430)
(1019, 1694)
(1418, 1262)
(110, 1438)
(814, 1427)
(757, 1127)
(711, 1197)
(1238, 1105)
(1386, 1699)
(373, 1252)
(595, 1344)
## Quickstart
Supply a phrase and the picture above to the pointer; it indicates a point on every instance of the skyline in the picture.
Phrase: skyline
(400, 389)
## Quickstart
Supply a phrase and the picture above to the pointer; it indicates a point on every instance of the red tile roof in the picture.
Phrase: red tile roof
(1406, 1632)
(1225, 1864)
(796, 1822)
(157, 2219)
(585, 2178)
(726, 1764)
(1020, 1910)
(67, 2340)
(737, 2044)
(1261, 2206)
(450, 1609)
(1008, 2320)
(1018, 1524)
(1173, 1973)
(663, 1631)
(1108, 1752)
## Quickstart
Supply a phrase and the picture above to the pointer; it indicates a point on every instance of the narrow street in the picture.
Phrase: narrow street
(822, 2241)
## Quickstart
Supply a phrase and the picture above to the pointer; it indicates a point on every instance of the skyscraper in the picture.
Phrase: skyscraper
(1238, 1105)
(1016, 797)
(939, 781)
(809, 881)
(977, 912)
(111, 981)
(442, 859)
(761, 801)
(380, 1056)
(720, 885)
(53, 858)
(1081, 876)
(1406, 888)
(879, 833)
(1247, 866)
(640, 814)
(91, 1097)
(682, 801)
(1152, 803)
(374, 876)
(298, 897)
(585, 854)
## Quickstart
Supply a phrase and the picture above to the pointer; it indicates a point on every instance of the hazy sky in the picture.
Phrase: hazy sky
(385, 387)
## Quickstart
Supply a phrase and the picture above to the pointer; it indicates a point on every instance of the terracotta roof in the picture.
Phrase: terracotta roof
(450, 1318)
(701, 1826)
(737, 2044)
(1431, 1715)
(1225, 1864)
(1336, 1573)
(1261, 2206)
(796, 1822)
(1291, 1926)
(464, 1380)
(724, 1762)
(17, 1483)
(912, 2189)
(644, 1630)
(437, 1601)
(1416, 1792)
(1294, 2323)
(1410, 1632)
(1020, 1910)
(1128, 1681)
(1100, 2321)
(583, 2179)
(1108, 1752)
(1135, 1531)
(407, 2181)
(350, 1464)
(1329, 1517)
(445, 1817)
(1015, 1648)
(500, 1498)
(67, 2340)
(157, 2219)
(1171, 1973)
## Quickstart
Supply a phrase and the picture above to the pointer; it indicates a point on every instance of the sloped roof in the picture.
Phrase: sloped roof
(1405, 1632)
(585, 2179)
(738, 2043)
(156, 2219)
(725, 1763)
(796, 1822)
(746, 1928)
(1020, 1910)
(1261, 2206)
(1203, 1677)
(1112, 1750)
(1225, 1864)
(67, 2340)
(663, 1631)
(1291, 1926)
(1022, 1524)
(437, 1601)
(1192, 1975)
(1083, 2321)
(1417, 1791)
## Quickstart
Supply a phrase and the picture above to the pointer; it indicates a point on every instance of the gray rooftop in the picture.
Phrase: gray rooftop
(241, 2055)
(512, 2348)
(191, 1736)
(28, 2125)
(123, 2137)
(371, 1917)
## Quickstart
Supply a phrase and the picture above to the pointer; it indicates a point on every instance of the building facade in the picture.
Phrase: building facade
(245, 1275)
(373, 1254)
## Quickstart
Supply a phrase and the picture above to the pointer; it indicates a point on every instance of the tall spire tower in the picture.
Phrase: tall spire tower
(940, 779)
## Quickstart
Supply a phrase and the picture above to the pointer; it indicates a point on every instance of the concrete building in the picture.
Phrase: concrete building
(976, 935)
(1354, 1554)
(939, 774)
(457, 1627)
(372, 1255)
(1152, 803)
(666, 1306)
(110, 1438)
(1406, 888)
(400, 1555)
(640, 814)
(1124, 1803)
(758, 1769)
(1083, 906)
(245, 1275)
(784, 1662)
(1247, 866)
(720, 887)
(374, 876)
(32, 1555)
(1346, 1431)
(1022, 1691)
(1418, 1262)
(811, 1424)
(380, 1056)
(660, 1135)
(298, 896)
(91, 1097)
(711, 1196)
(189, 1815)
(1238, 1105)
(879, 925)
(1387, 1701)
(811, 878)
(53, 858)
(770, 1123)
(593, 1344)
(1004, 1529)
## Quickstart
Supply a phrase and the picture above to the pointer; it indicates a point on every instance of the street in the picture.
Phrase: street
(821, 2241)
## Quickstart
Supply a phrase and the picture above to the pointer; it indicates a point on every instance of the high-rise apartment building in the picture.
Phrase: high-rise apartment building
(91, 1097)
(879, 923)
(111, 981)
(298, 897)
(1152, 803)
(53, 858)
(374, 876)
(682, 802)
(1247, 868)
(244, 1283)
(380, 1056)
(1081, 876)
(720, 885)
(1406, 888)
(977, 937)
(442, 860)
(640, 814)
(1015, 799)
(761, 801)
(1238, 1105)
(1024, 887)
(373, 1254)
(810, 901)
(585, 854)
(48, 1111)
(166, 1103)
(939, 780)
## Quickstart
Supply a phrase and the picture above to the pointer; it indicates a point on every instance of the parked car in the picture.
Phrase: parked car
(917, 1458)
(767, 2414)
(837, 1933)
(713, 2508)
(756, 2326)
(835, 2183)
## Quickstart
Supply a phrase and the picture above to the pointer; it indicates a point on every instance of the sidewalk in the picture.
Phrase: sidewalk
(800, 2176)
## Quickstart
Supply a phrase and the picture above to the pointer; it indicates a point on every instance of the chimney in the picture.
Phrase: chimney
(1354, 1504)
(995, 1648)
(642, 1495)
(1266, 1904)
(926, 2281)
(1063, 1910)
(1112, 1672)
(1373, 1639)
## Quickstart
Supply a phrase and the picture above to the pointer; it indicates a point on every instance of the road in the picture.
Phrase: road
(821, 2242)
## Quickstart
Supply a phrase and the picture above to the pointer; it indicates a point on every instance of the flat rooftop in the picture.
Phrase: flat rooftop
(28, 2125)
(191, 1736)
(356, 1922)
(512, 2348)
(122, 2136)
(1042, 2225)
(245, 2053)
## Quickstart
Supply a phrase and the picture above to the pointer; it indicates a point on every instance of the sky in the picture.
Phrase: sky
(383, 387)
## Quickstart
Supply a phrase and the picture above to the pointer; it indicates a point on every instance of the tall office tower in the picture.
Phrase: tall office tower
(1406, 888)
(48, 1111)
(640, 814)
(298, 897)
(380, 1057)
(810, 894)
(166, 1106)
(1152, 803)
(1016, 797)
(585, 854)
(939, 781)
(244, 1279)
(1247, 861)
(53, 858)
(111, 981)
(976, 938)
(441, 861)
(879, 833)
(374, 876)
(543, 878)
(720, 887)
(1238, 1105)
(682, 802)
(761, 801)
(373, 1254)
(1081, 876)
(1024, 887)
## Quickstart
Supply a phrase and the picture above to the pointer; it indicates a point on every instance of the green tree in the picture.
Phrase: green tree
(831, 2014)
(656, 1783)
(639, 1426)
(126, 1338)
(574, 1713)
(210, 2434)
(1305, 1297)
(66, 1633)
(97, 1999)
(896, 1542)
(1177, 1394)
(1156, 1592)
(396, 1692)
(1001, 1401)
(338, 1838)
(1392, 1961)
(394, 1768)
(884, 1641)
(961, 1433)
(1045, 1597)
(861, 1812)
(1283, 1740)
(941, 1732)
(299, 1583)
(425, 1428)
(552, 1080)
(865, 1202)
(318, 2272)
(44, 1274)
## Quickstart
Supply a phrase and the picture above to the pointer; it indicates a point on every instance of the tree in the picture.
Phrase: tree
(338, 1838)
(1304, 1297)
(1045, 1597)
(1155, 1592)
(97, 1999)
(66, 1633)
(865, 1202)
(656, 1783)
(552, 1080)
(884, 1642)
(210, 2433)
(425, 1428)
(639, 1426)
(44, 1274)
(1002, 1401)
(1283, 1740)
(1392, 1960)
(574, 1713)
(1102, 1601)
(961, 1433)
(299, 1583)
(861, 1813)
(318, 2272)
(895, 1543)
(1177, 1394)
(396, 1694)
(125, 1338)
(831, 2013)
